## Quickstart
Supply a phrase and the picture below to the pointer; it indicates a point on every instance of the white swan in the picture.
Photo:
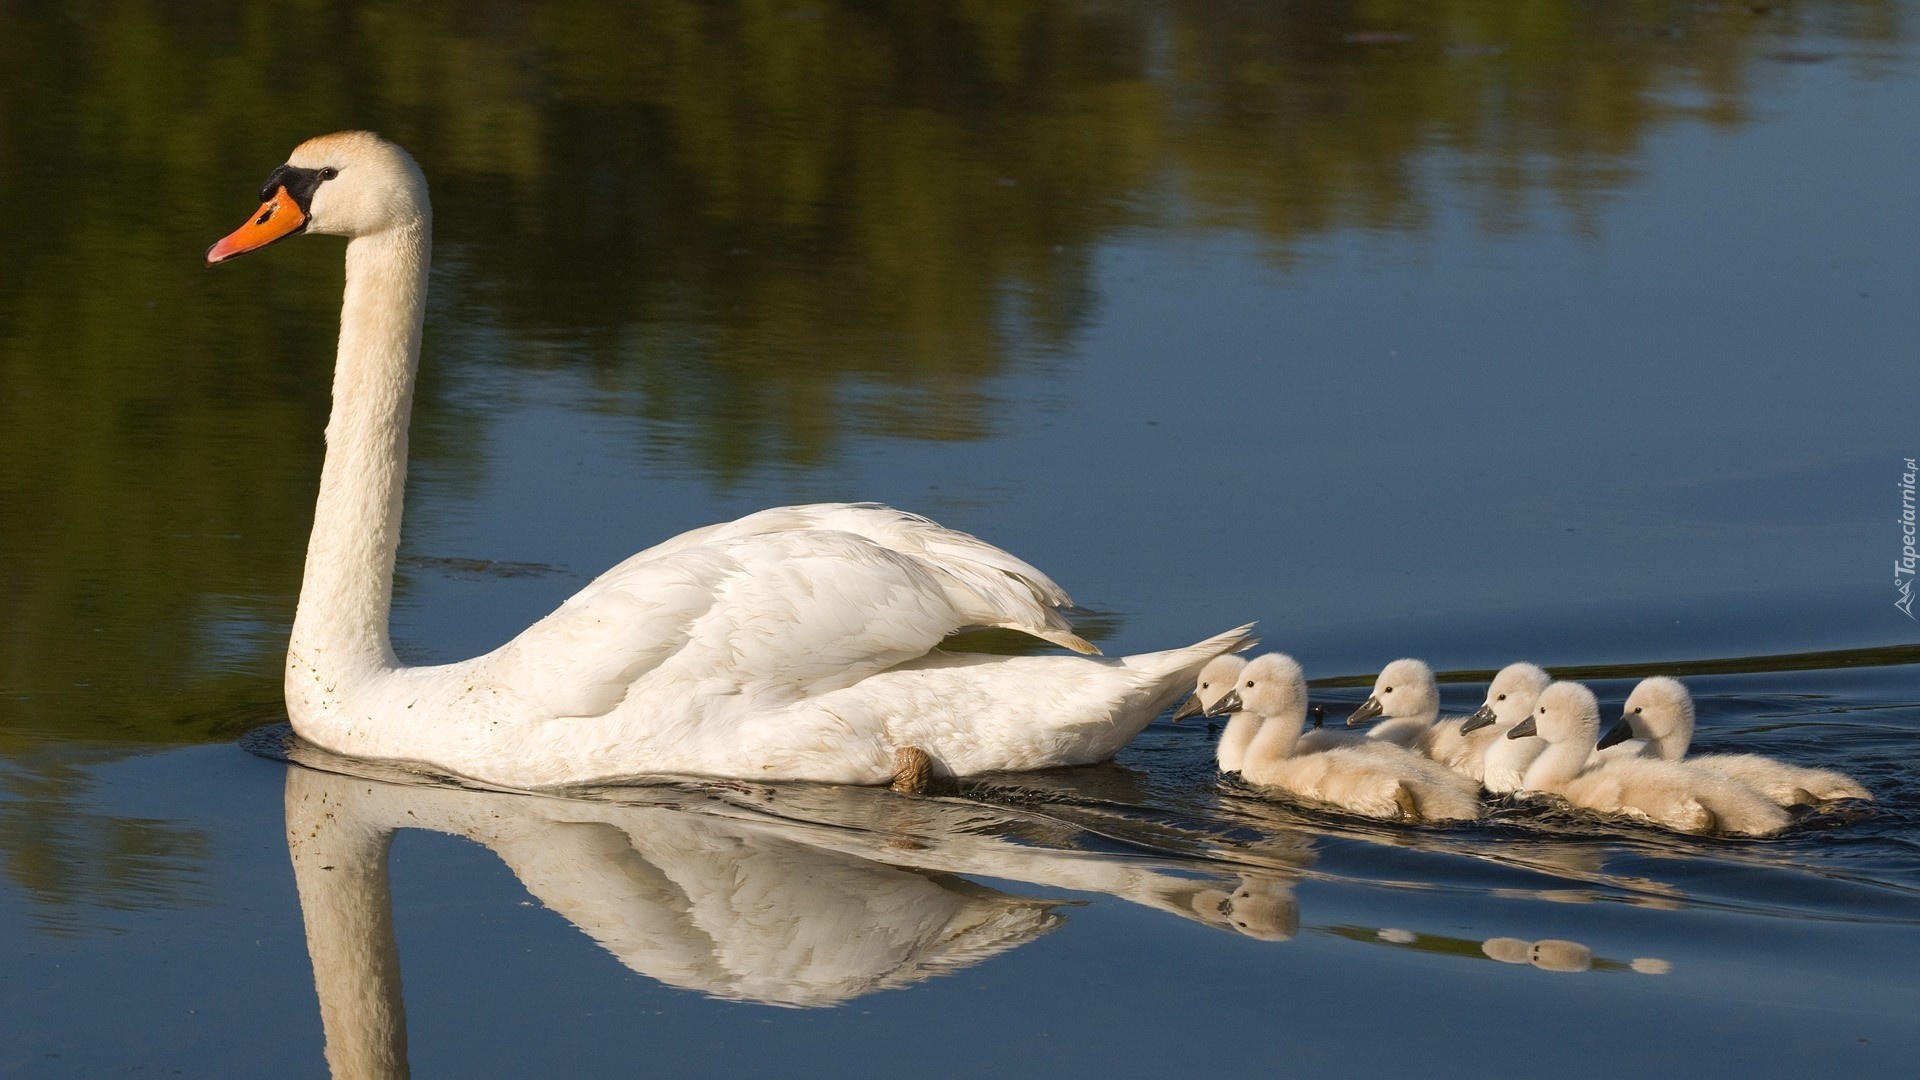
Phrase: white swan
(796, 643)
(1502, 764)
(1409, 699)
(1660, 713)
(1370, 778)
(1665, 793)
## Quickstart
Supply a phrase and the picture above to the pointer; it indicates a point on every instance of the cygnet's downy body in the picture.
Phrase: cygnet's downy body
(1212, 694)
(1407, 701)
(1502, 764)
(1659, 713)
(1664, 793)
(1369, 778)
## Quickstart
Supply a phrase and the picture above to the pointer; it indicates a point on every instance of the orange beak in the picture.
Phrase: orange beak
(277, 219)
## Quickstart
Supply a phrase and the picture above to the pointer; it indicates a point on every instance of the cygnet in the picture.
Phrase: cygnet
(1502, 766)
(1660, 712)
(1370, 778)
(1664, 793)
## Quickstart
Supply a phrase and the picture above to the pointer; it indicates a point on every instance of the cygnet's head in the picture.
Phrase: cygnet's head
(1567, 712)
(350, 183)
(1660, 711)
(1554, 954)
(1404, 688)
(1274, 687)
(1510, 696)
(1213, 689)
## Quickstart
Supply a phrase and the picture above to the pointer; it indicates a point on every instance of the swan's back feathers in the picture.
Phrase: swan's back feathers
(991, 587)
(772, 617)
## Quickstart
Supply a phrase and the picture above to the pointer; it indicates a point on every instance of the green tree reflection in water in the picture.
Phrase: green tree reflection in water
(762, 227)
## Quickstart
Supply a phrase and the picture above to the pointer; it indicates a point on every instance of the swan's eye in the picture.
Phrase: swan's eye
(1204, 685)
(1388, 690)
(1249, 684)
(1502, 697)
(329, 173)
(1638, 711)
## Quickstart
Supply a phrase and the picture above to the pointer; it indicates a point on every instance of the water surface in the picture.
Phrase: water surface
(1468, 331)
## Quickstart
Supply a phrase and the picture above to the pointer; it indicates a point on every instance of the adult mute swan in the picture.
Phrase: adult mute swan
(1371, 778)
(796, 643)
(1665, 793)
(1502, 764)
(1660, 712)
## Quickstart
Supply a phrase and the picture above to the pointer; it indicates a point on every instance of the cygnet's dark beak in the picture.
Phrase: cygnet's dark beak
(1366, 712)
(1523, 729)
(1481, 717)
(1620, 732)
(1189, 707)
(1229, 703)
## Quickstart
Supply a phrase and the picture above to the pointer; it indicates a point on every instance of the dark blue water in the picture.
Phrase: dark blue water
(1474, 334)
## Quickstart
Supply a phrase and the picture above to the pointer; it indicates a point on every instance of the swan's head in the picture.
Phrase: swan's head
(1213, 689)
(1404, 688)
(350, 183)
(1510, 696)
(1567, 712)
(1273, 686)
(1659, 710)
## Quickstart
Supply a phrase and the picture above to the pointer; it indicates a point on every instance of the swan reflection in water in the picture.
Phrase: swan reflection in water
(694, 891)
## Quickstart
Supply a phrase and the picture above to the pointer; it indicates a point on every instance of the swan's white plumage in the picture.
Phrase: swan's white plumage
(1664, 793)
(1660, 712)
(1371, 777)
(796, 643)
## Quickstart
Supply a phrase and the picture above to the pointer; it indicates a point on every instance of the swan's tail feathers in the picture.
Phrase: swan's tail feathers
(1238, 639)
(1170, 674)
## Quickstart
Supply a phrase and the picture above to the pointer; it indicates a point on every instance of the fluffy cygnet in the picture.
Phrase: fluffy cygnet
(1665, 793)
(1370, 778)
(1660, 712)
(1213, 693)
(1515, 689)
(1408, 699)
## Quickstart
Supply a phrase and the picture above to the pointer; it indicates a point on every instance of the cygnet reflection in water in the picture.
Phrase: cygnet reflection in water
(1547, 954)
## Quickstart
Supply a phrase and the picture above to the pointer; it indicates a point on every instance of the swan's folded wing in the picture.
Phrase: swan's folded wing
(991, 587)
(772, 617)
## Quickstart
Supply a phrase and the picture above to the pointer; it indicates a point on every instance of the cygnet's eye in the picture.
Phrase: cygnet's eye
(1204, 685)
(1502, 697)
(1249, 684)
(329, 173)
(1388, 690)
(1638, 710)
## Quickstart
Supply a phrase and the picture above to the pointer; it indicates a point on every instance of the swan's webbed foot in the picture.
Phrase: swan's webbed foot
(912, 771)
(1407, 803)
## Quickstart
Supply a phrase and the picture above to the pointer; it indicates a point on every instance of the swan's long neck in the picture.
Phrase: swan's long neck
(1673, 742)
(1558, 764)
(340, 629)
(1277, 737)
